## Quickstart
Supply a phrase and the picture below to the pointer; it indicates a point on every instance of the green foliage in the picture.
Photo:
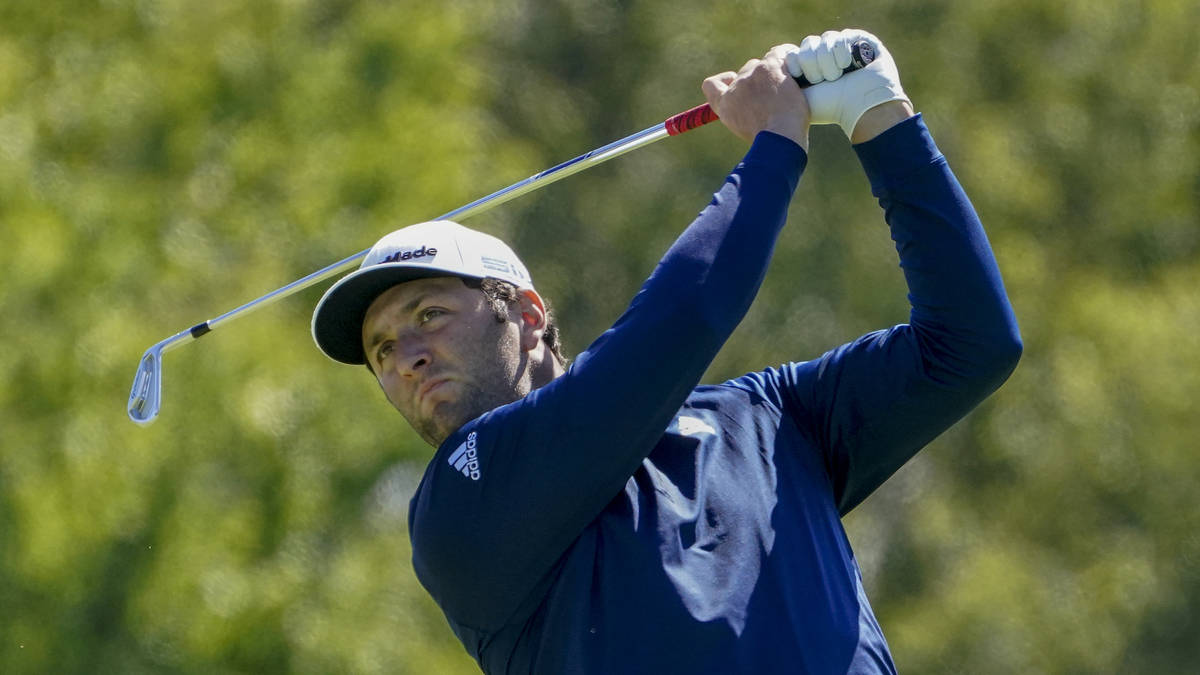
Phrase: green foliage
(162, 161)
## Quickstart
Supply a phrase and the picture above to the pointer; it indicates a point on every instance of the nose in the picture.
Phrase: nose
(412, 358)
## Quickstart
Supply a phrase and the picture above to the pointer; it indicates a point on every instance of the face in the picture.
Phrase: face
(441, 356)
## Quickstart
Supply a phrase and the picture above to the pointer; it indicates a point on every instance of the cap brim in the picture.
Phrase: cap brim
(338, 318)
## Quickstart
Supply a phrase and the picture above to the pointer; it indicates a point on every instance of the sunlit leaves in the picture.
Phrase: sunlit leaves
(163, 161)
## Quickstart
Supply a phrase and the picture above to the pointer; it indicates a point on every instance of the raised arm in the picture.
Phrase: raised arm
(551, 462)
(873, 403)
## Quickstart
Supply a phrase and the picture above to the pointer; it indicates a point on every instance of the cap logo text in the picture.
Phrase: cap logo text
(401, 256)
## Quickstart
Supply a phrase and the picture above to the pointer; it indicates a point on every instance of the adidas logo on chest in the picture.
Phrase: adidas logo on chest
(465, 459)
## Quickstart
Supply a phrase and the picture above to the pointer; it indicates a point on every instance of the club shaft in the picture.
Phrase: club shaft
(146, 395)
(567, 168)
(861, 55)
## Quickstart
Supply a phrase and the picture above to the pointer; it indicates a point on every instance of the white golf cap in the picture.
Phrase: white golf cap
(432, 249)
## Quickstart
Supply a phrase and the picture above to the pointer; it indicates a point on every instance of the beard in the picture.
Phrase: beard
(497, 377)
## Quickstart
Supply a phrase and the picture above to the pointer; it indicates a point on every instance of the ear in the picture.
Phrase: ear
(532, 319)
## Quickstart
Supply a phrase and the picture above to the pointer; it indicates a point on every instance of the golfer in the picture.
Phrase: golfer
(612, 515)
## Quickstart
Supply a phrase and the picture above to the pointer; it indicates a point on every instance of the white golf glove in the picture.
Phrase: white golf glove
(841, 99)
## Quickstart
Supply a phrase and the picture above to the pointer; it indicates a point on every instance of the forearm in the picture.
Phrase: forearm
(718, 263)
(697, 294)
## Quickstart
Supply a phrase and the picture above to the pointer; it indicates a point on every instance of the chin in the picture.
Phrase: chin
(447, 417)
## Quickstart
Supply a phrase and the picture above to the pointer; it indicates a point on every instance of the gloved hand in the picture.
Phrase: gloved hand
(841, 99)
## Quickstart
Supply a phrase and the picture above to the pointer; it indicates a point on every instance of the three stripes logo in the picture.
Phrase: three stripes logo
(465, 459)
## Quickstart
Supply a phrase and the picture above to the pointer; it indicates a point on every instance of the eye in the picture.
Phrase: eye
(384, 351)
(429, 314)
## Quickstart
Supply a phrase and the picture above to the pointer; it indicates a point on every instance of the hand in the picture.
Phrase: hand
(841, 99)
(760, 97)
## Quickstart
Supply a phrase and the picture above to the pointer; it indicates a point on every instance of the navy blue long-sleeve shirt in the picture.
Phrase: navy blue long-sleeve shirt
(624, 519)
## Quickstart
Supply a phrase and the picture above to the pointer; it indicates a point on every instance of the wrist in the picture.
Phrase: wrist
(790, 127)
(879, 119)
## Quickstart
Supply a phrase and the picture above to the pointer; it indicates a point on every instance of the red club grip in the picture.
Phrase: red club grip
(690, 119)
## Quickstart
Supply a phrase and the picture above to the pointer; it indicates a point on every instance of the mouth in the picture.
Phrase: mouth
(429, 386)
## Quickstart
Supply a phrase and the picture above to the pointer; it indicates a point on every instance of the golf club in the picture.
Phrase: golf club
(145, 398)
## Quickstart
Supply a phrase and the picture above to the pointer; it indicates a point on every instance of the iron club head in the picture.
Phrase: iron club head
(146, 395)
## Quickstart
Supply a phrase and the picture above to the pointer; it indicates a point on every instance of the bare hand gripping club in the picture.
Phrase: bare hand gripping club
(145, 398)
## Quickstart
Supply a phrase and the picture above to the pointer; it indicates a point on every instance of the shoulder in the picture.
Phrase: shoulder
(455, 519)
(453, 482)
(460, 464)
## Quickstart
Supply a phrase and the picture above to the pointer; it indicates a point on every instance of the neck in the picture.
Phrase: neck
(545, 370)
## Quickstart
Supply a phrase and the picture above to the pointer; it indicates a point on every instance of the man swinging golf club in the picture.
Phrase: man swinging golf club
(613, 515)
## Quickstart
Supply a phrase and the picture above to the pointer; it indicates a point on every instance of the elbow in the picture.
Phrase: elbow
(1002, 356)
(1011, 344)
(1011, 354)
(998, 348)
(980, 362)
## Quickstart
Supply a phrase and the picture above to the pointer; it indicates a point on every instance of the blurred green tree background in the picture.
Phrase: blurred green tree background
(162, 161)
